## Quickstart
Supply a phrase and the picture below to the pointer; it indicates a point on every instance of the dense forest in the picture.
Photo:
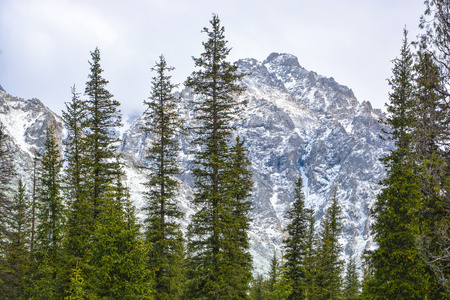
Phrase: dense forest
(77, 236)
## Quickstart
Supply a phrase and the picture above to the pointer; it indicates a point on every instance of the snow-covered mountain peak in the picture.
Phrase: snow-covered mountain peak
(296, 123)
(283, 59)
(1, 89)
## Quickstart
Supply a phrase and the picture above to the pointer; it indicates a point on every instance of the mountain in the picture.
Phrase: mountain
(295, 122)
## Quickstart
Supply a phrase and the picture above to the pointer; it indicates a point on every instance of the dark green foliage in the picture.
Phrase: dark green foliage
(239, 185)
(103, 117)
(329, 264)
(16, 261)
(436, 37)
(278, 284)
(258, 288)
(51, 210)
(352, 285)
(212, 251)
(47, 252)
(273, 273)
(295, 244)
(163, 232)
(119, 254)
(310, 261)
(430, 136)
(397, 269)
(6, 174)
(80, 209)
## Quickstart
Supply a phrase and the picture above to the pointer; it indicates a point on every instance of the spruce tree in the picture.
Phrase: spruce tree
(215, 106)
(295, 242)
(352, 284)
(163, 232)
(80, 210)
(330, 266)
(278, 285)
(103, 117)
(119, 255)
(7, 172)
(430, 136)
(48, 256)
(398, 270)
(16, 261)
(310, 261)
(238, 189)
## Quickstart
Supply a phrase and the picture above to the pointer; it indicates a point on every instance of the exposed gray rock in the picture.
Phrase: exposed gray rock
(296, 122)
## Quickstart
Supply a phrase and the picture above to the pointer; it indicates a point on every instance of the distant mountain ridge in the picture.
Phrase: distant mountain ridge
(295, 121)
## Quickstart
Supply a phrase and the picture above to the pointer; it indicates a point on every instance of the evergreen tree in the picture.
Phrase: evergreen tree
(398, 270)
(80, 213)
(238, 188)
(436, 37)
(278, 285)
(330, 266)
(215, 108)
(16, 262)
(295, 243)
(310, 262)
(47, 253)
(430, 136)
(352, 285)
(273, 273)
(118, 254)
(163, 232)
(103, 117)
(7, 172)
(258, 288)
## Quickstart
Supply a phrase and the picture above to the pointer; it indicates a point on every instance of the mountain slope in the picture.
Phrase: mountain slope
(295, 121)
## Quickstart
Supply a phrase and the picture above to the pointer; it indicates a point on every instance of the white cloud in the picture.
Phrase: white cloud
(45, 44)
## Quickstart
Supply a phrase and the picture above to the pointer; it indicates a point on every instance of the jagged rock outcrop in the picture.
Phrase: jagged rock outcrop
(296, 122)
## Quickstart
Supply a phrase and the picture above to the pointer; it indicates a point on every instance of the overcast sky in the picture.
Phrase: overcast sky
(45, 44)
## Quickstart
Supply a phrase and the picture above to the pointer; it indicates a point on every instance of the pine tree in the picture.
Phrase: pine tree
(258, 288)
(330, 266)
(103, 117)
(295, 243)
(16, 262)
(119, 254)
(352, 285)
(215, 107)
(47, 253)
(80, 209)
(7, 172)
(278, 285)
(430, 135)
(238, 188)
(398, 270)
(163, 231)
(310, 262)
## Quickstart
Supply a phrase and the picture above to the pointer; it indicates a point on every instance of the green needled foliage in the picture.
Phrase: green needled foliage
(212, 254)
(16, 260)
(398, 272)
(103, 117)
(329, 264)
(430, 135)
(295, 245)
(7, 173)
(163, 232)
(47, 252)
(352, 285)
(119, 254)
(80, 209)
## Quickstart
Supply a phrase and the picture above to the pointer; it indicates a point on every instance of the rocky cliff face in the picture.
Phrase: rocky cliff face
(296, 122)
(25, 122)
